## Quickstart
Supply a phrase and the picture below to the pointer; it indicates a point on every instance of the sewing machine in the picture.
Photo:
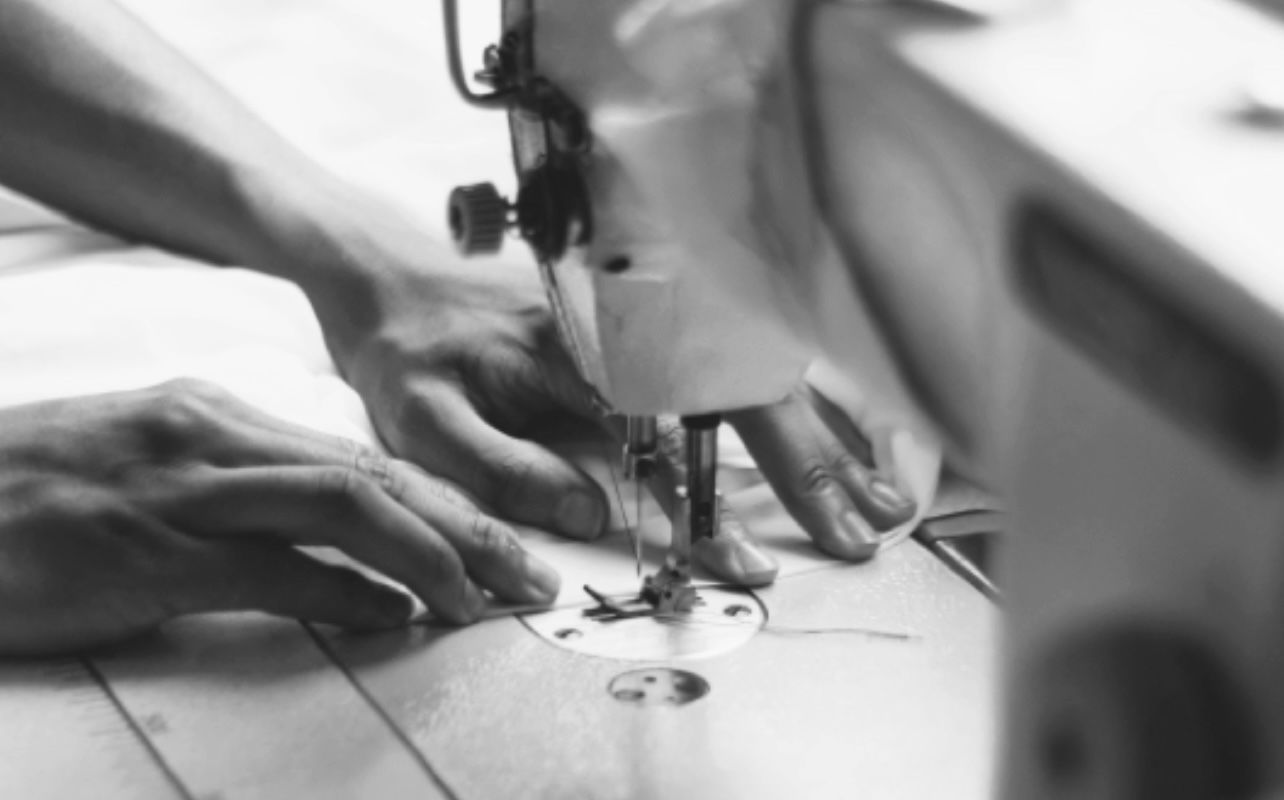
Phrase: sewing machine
(1042, 230)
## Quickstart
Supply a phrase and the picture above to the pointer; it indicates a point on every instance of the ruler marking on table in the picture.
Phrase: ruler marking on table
(383, 715)
(148, 745)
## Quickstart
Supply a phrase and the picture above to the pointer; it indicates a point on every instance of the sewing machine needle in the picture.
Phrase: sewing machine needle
(639, 464)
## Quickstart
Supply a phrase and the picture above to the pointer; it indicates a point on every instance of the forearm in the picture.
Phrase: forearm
(102, 119)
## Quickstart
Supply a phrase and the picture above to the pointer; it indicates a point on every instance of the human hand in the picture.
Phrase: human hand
(457, 363)
(120, 511)
(822, 469)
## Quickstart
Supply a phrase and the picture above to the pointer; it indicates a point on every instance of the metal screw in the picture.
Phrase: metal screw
(737, 611)
(617, 264)
(569, 633)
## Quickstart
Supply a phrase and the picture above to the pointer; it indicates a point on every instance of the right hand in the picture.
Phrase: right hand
(458, 364)
(823, 468)
(120, 511)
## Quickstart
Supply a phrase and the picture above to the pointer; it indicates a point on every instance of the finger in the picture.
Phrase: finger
(563, 380)
(340, 508)
(443, 431)
(490, 550)
(732, 555)
(514, 390)
(278, 579)
(876, 499)
(520, 480)
(850, 456)
(839, 423)
(780, 438)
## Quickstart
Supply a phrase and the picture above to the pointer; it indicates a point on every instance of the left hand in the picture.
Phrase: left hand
(456, 362)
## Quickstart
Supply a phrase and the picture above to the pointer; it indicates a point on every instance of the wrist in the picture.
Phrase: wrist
(316, 234)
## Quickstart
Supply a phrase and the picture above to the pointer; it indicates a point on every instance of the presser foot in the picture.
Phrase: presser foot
(664, 594)
(669, 591)
(609, 609)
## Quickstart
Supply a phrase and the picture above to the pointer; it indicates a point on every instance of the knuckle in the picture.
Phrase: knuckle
(444, 490)
(183, 408)
(509, 479)
(388, 347)
(122, 536)
(410, 477)
(845, 461)
(489, 535)
(416, 409)
(415, 417)
(382, 470)
(342, 489)
(443, 568)
(69, 501)
(815, 479)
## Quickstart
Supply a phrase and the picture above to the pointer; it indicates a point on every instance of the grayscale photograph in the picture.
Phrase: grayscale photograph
(642, 399)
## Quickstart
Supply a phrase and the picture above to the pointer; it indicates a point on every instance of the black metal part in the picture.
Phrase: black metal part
(702, 473)
(966, 541)
(454, 63)
(611, 610)
(962, 558)
(552, 208)
(617, 264)
(550, 133)
(670, 593)
(478, 217)
(659, 596)
(641, 443)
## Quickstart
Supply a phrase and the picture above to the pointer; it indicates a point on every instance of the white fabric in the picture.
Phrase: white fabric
(358, 84)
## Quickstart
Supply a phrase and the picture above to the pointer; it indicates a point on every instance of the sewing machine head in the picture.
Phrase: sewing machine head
(1044, 229)
(666, 309)
(669, 297)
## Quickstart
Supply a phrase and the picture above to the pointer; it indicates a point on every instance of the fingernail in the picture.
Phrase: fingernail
(888, 495)
(579, 514)
(474, 601)
(732, 556)
(393, 607)
(543, 578)
(756, 567)
(860, 541)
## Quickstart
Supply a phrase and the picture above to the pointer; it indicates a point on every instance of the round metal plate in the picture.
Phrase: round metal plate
(658, 686)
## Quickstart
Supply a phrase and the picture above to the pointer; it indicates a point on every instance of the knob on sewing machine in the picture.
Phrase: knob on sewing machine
(478, 218)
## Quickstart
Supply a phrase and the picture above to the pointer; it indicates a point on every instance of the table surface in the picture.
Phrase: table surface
(245, 706)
